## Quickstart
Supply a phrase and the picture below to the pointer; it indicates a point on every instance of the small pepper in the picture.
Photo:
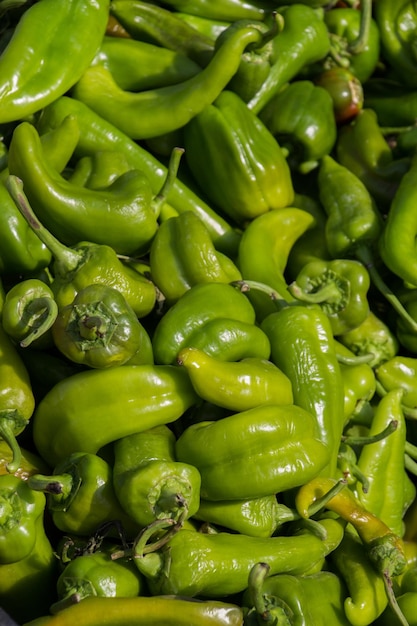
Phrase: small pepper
(345, 90)
(236, 386)
(99, 328)
(80, 495)
(372, 337)
(257, 178)
(149, 480)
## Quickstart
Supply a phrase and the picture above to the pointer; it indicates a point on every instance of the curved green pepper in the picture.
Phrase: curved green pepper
(31, 73)
(237, 386)
(372, 337)
(302, 346)
(99, 328)
(126, 211)
(267, 449)
(182, 254)
(399, 372)
(80, 495)
(150, 482)
(86, 411)
(257, 177)
(153, 112)
(340, 287)
(201, 304)
(301, 118)
(29, 311)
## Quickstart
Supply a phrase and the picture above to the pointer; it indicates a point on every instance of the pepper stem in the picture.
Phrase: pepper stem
(259, 601)
(56, 485)
(246, 285)
(321, 502)
(40, 314)
(364, 441)
(364, 255)
(393, 600)
(173, 166)
(328, 292)
(357, 46)
(7, 434)
(67, 258)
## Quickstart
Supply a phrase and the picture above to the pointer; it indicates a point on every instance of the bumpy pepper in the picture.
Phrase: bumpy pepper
(301, 118)
(257, 178)
(88, 410)
(126, 211)
(267, 449)
(80, 495)
(87, 263)
(372, 337)
(182, 254)
(200, 305)
(29, 311)
(31, 74)
(100, 329)
(340, 287)
(150, 482)
(237, 386)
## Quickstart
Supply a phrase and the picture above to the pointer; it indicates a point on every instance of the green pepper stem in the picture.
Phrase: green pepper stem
(40, 314)
(359, 44)
(246, 285)
(329, 292)
(257, 575)
(60, 484)
(321, 502)
(408, 411)
(354, 359)
(410, 464)
(173, 166)
(393, 600)
(364, 255)
(7, 434)
(364, 441)
(68, 258)
(64, 603)
(411, 450)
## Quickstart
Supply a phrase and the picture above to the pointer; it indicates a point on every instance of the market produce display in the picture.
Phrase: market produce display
(208, 305)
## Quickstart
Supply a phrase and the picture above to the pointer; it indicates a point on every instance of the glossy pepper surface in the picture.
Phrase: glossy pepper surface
(33, 74)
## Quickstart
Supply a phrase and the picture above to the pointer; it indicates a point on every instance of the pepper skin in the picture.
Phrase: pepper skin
(267, 449)
(237, 386)
(201, 304)
(302, 346)
(301, 118)
(145, 611)
(96, 134)
(182, 254)
(372, 337)
(399, 372)
(80, 496)
(29, 311)
(228, 10)
(150, 482)
(149, 113)
(33, 72)
(88, 410)
(17, 401)
(257, 178)
(99, 329)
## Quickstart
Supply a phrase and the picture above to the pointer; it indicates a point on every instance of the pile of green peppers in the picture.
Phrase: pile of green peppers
(208, 306)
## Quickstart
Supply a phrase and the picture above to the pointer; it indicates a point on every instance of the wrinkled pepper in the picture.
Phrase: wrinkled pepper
(80, 496)
(267, 449)
(150, 482)
(100, 329)
(257, 178)
(236, 386)
(372, 337)
(32, 76)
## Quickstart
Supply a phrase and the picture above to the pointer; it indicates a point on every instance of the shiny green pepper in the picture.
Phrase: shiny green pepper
(372, 337)
(99, 329)
(399, 372)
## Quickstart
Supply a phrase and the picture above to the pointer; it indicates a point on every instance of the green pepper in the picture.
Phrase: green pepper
(30, 462)
(126, 211)
(373, 337)
(302, 346)
(267, 449)
(138, 65)
(236, 386)
(304, 40)
(96, 135)
(153, 112)
(263, 253)
(229, 10)
(149, 480)
(301, 118)
(80, 495)
(182, 254)
(397, 23)
(93, 408)
(257, 178)
(26, 553)
(32, 76)
(199, 564)
(17, 399)
(359, 384)
(362, 148)
(145, 611)
(200, 305)
(208, 27)
(97, 575)
(395, 105)
(99, 328)
(256, 517)
(87, 263)
(399, 372)
(339, 287)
